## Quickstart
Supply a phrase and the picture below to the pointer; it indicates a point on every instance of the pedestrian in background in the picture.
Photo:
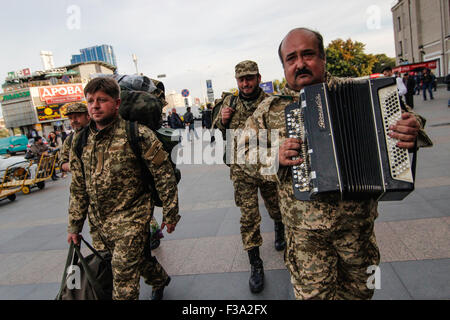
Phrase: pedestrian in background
(427, 84)
(189, 123)
(410, 87)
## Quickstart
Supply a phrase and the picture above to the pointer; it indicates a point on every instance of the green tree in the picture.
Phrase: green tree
(382, 61)
(278, 85)
(347, 59)
(4, 133)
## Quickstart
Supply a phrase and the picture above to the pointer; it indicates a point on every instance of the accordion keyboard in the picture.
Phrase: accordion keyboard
(398, 157)
(295, 129)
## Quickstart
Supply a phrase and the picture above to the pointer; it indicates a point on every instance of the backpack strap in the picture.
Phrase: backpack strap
(233, 102)
(80, 144)
(134, 139)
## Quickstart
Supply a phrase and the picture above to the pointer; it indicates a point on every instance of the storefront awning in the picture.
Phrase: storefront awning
(416, 66)
(49, 75)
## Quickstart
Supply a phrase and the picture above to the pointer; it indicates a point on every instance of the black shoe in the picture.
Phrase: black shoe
(256, 281)
(159, 293)
(280, 242)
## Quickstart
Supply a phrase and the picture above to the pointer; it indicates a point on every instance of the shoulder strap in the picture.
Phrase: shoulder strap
(233, 102)
(82, 141)
(70, 138)
(80, 144)
(133, 138)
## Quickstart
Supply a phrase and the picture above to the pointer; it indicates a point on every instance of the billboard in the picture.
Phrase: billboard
(50, 112)
(61, 94)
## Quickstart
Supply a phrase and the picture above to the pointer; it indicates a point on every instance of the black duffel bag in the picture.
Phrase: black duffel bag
(90, 277)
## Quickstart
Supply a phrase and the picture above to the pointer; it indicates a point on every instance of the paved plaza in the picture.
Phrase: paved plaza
(204, 256)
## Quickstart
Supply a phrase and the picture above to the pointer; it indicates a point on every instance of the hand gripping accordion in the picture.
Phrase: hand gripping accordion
(346, 147)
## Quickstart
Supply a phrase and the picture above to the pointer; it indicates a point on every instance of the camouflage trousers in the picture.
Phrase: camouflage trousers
(332, 264)
(131, 259)
(246, 198)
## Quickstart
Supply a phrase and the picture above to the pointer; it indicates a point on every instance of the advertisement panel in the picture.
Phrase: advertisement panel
(61, 93)
(409, 67)
(50, 112)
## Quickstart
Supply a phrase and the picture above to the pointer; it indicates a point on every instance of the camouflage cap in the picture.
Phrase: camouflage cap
(74, 107)
(246, 67)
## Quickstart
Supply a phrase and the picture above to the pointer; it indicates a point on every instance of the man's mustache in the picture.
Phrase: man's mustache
(302, 71)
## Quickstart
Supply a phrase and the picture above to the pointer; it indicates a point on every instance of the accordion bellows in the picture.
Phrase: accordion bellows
(346, 147)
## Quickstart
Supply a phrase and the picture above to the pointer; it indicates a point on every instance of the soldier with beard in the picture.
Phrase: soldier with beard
(233, 114)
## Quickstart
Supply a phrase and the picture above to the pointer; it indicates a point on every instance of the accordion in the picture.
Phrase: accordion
(346, 148)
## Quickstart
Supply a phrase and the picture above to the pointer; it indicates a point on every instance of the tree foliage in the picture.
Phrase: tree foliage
(278, 85)
(4, 133)
(347, 59)
(382, 61)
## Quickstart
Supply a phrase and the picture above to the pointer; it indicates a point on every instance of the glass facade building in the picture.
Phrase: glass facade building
(103, 53)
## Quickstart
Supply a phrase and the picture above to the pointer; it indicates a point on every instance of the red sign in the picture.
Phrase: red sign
(410, 67)
(61, 94)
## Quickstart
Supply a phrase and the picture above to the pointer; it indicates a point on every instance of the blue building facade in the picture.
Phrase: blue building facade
(103, 53)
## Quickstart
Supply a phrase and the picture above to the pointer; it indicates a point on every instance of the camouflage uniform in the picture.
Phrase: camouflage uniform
(69, 108)
(107, 188)
(329, 243)
(246, 186)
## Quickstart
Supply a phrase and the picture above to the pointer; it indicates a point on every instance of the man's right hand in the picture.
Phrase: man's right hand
(75, 237)
(289, 149)
(65, 167)
(226, 114)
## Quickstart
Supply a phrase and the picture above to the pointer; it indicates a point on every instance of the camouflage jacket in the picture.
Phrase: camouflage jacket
(111, 188)
(65, 151)
(312, 215)
(244, 109)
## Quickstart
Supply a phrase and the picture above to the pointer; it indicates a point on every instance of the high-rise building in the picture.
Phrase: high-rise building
(103, 53)
(422, 32)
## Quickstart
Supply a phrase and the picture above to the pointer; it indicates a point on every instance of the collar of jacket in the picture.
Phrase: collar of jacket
(252, 97)
(107, 131)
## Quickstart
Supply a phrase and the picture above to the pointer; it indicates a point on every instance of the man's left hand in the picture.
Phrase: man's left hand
(405, 130)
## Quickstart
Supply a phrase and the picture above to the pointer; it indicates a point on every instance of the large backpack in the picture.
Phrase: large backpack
(143, 107)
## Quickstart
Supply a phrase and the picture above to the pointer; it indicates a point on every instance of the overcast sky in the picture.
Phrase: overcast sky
(190, 41)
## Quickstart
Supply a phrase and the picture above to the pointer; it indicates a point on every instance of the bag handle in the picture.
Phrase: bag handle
(88, 272)
(64, 278)
(92, 249)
